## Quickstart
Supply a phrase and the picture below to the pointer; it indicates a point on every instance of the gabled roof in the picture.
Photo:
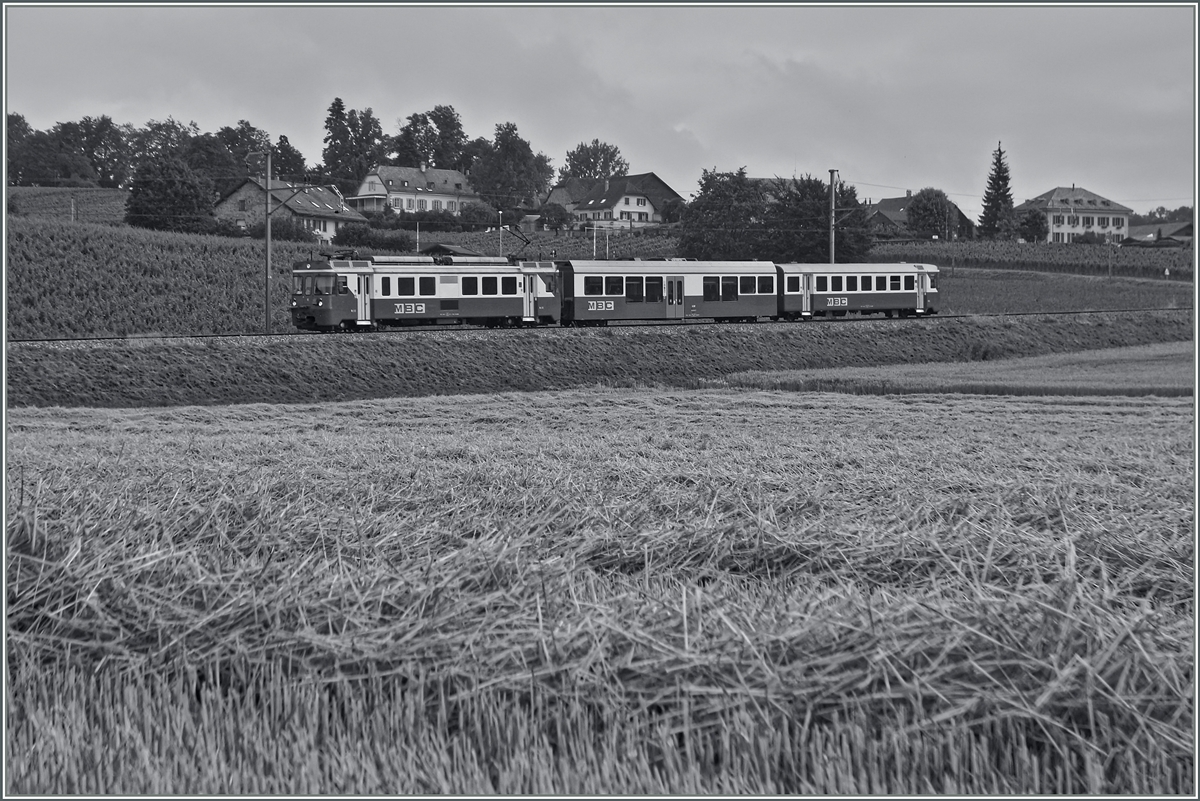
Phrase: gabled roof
(439, 249)
(571, 191)
(646, 184)
(1176, 230)
(444, 181)
(1073, 199)
(307, 200)
(317, 201)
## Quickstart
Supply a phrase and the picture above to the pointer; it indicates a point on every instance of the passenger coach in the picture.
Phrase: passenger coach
(595, 292)
(837, 289)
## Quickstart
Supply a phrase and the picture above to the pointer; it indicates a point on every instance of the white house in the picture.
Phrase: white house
(1073, 212)
(413, 189)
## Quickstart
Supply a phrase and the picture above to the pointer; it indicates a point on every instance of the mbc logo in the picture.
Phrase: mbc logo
(410, 308)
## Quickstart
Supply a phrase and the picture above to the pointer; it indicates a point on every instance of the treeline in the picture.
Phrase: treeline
(1095, 259)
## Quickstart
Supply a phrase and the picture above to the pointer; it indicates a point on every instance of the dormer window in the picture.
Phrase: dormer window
(406, 183)
(429, 185)
(458, 186)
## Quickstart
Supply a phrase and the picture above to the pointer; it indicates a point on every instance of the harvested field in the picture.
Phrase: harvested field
(604, 591)
(315, 368)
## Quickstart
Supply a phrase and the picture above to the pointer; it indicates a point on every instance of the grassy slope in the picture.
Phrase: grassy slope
(604, 591)
(1167, 369)
(348, 367)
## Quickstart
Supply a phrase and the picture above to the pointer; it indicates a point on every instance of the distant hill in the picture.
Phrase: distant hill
(102, 206)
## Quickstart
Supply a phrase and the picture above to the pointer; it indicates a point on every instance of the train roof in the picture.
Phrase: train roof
(672, 267)
(865, 267)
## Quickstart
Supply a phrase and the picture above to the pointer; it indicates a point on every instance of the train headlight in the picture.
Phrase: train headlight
(320, 303)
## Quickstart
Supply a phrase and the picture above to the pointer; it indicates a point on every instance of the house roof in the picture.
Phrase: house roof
(1176, 230)
(647, 184)
(1074, 199)
(571, 191)
(306, 200)
(419, 180)
(317, 201)
(439, 249)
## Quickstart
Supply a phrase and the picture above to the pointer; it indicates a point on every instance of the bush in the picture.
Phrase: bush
(283, 229)
(361, 235)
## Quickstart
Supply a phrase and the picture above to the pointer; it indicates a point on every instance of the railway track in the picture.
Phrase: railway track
(445, 328)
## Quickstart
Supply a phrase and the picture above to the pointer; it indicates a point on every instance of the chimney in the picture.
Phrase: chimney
(909, 193)
(423, 166)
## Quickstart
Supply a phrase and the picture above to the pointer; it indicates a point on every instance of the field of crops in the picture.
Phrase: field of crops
(603, 591)
(80, 280)
(1175, 263)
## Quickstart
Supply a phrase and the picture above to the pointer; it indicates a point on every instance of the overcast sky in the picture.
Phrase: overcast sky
(895, 98)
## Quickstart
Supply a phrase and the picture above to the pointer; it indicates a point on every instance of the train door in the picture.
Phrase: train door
(922, 286)
(364, 299)
(675, 310)
(529, 287)
(806, 302)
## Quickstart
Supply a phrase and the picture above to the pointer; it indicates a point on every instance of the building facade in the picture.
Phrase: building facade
(413, 189)
(1072, 212)
(320, 209)
(623, 201)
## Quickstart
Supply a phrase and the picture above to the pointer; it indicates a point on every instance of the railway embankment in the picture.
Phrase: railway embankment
(321, 368)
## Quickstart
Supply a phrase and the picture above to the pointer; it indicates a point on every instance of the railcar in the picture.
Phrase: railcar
(366, 294)
(597, 292)
(817, 290)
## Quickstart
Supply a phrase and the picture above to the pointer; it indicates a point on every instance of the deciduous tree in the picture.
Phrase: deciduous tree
(168, 195)
(725, 221)
(1034, 227)
(797, 213)
(597, 160)
(510, 174)
(930, 213)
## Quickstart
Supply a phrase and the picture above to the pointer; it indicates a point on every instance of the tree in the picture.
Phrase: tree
(451, 138)
(997, 222)
(725, 221)
(931, 214)
(160, 140)
(287, 161)
(797, 211)
(509, 174)
(595, 161)
(554, 216)
(209, 157)
(354, 144)
(104, 144)
(1034, 227)
(16, 134)
(472, 152)
(168, 195)
(416, 142)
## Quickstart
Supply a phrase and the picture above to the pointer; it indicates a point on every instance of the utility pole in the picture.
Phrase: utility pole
(267, 267)
(832, 189)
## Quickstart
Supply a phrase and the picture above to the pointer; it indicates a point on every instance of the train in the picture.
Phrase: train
(341, 292)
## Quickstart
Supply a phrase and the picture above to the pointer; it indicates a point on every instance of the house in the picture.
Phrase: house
(622, 201)
(321, 209)
(413, 189)
(1072, 212)
(888, 219)
(1163, 234)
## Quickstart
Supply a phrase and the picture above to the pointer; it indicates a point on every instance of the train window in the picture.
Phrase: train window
(822, 283)
(910, 283)
(881, 283)
(729, 285)
(428, 285)
(614, 285)
(489, 285)
(387, 286)
(470, 285)
(835, 283)
(766, 285)
(793, 283)
(851, 283)
(746, 285)
(712, 287)
(894, 283)
(324, 285)
(866, 283)
(297, 284)
(406, 286)
(593, 285)
(654, 290)
(508, 285)
(933, 282)
(633, 290)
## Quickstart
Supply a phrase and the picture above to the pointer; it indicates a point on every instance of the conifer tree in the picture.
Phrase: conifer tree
(996, 220)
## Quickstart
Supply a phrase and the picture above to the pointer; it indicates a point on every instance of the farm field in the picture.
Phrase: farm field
(120, 281)
(1165, 370)
(604, 591)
